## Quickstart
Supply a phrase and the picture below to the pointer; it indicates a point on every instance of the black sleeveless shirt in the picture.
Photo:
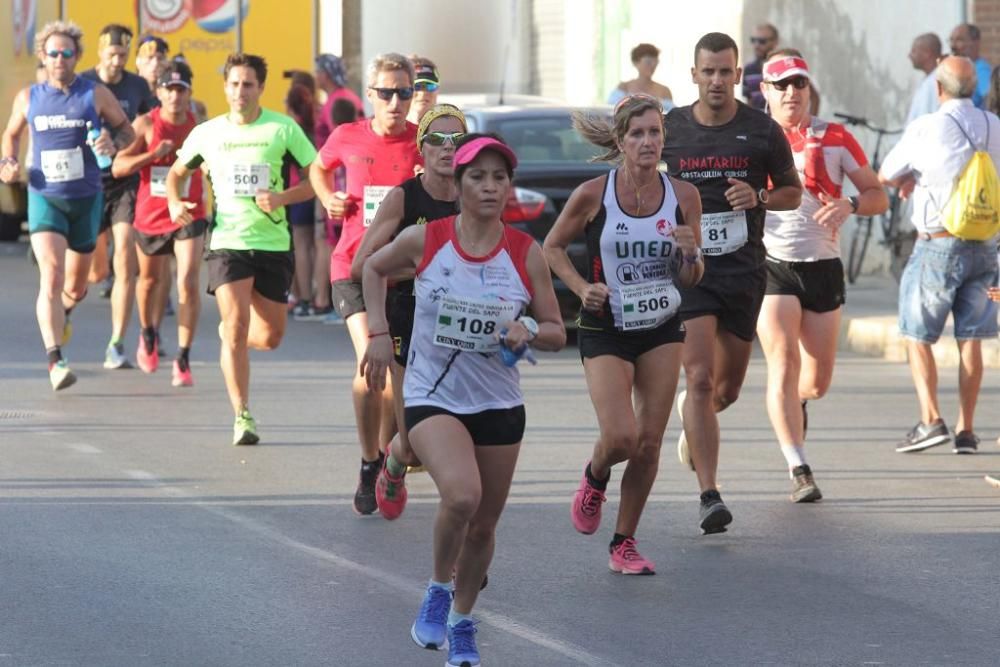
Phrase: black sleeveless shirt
(419, 208)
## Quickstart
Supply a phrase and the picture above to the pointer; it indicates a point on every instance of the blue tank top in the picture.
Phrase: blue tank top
(63, 165)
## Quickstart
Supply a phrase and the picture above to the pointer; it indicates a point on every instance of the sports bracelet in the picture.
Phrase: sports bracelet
(693, 259)
(376, 335)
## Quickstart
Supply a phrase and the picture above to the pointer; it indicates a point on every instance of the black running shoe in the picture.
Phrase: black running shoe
(966, 442)
(924, 436)
(804, 489)
(714, 514)
(364, 497)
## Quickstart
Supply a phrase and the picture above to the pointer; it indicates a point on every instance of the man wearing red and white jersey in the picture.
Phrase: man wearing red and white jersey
(378, 154)
(158, 135)
(799, 322)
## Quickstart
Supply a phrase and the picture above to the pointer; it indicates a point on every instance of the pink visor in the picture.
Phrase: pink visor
(468, 152)
(785, 68)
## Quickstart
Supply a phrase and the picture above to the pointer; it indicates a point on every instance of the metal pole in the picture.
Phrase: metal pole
(239, 26)
(139, 15)
(62, 9)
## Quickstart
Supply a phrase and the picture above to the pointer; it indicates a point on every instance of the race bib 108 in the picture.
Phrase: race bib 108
(470, 324)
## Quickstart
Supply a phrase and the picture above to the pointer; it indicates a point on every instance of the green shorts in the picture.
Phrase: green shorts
(77, 219)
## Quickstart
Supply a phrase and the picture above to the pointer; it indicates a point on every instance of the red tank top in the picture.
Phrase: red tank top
(151, 214)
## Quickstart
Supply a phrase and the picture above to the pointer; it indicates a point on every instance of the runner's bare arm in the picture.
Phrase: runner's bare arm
(180, 210)
(337, 204)
(269, 200)
(582, 206)
(11, 142)
(383, 227)
(403, 253)
(135, 156)
(688, 236)
(544, 307)
(872, 200)
(787, 192)
(117, 130)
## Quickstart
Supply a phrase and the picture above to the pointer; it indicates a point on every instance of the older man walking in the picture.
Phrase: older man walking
(945, 274)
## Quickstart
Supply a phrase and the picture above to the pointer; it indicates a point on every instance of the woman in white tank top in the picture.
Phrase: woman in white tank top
(643, 235)
(474, 278)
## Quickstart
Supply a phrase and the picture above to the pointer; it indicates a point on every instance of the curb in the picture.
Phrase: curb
(879, 337)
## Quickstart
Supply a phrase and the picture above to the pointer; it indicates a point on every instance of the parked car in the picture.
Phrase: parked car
(553, 161)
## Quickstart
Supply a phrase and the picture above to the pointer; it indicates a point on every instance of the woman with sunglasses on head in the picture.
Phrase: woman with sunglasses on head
(474, 279)
(428, 196)
(426, 84)
(378, 154)
(643, 234)
(799, 322)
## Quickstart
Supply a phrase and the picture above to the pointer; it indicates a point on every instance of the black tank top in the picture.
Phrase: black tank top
(419, 208)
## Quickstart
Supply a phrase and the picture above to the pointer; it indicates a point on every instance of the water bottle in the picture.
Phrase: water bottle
(103, 161)
(511, 357)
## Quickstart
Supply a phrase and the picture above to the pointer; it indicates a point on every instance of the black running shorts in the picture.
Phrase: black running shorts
(628, 345)
(163, 244)
(819, 285)
(272, 271)
(489, 427)
(401, 310)
(734, 299)
(119, 205)
(347, 298)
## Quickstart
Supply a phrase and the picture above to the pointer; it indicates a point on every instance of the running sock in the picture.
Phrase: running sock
(394, 467)
(795, 455)
(599, 484)
(618, 539)
(183, 360)
(117, 342)
(454, 618)
(54, 354)
(149, 339)
(448, 586)
(369, 466)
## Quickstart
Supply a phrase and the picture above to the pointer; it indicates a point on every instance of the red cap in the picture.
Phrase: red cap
(785, 68)
(469, 151)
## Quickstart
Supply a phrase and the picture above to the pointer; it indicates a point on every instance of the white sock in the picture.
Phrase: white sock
(448, 586)
(795, 455)
(454, 618)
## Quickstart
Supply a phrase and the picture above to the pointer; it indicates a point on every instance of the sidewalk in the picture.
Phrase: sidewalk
(870, 326)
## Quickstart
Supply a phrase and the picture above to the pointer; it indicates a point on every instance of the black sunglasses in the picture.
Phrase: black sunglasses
(799, 82)
(387, 93)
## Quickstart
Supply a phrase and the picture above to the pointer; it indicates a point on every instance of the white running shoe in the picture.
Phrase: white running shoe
(61, 376)
(114, 357)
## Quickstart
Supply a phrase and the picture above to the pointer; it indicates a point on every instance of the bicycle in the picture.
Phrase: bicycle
(897, 241)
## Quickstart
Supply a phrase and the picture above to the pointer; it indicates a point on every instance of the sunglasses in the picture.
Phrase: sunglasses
(429, 86)
(799, 82)
(439, 138)
(760, 40)
(65, 53)
(387, 93)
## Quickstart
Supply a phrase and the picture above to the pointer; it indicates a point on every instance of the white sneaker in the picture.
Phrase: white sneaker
(61, 376)
(683, 451)
(114, 357)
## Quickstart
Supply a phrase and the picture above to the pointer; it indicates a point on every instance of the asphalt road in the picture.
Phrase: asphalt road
(133, 533)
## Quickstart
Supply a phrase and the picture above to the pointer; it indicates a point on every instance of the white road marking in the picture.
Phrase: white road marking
(83, 448)
(500, 621)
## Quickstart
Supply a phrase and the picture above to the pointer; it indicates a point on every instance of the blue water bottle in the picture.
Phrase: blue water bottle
(511, 357)
(103, 161)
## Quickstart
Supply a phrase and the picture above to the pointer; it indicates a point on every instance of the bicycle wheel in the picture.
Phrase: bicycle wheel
(897, 241)
(859, 246)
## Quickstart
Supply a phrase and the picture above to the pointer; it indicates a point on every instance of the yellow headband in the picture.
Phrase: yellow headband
(121, 39)
(435, 112)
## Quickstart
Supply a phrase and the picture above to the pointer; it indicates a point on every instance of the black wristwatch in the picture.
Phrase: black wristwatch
(854, 203)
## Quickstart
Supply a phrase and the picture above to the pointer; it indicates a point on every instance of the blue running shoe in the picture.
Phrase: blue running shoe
(430, 628)
(462, 651)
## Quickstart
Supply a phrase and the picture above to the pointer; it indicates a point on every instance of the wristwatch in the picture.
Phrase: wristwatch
(531, 325)
(854, 203)
(763, 195)
(693, 259)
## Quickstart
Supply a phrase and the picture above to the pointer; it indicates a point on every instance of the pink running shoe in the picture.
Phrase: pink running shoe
(627, 560)
(181, 378)
(148, 362)
(586, 509)
(390, 493)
